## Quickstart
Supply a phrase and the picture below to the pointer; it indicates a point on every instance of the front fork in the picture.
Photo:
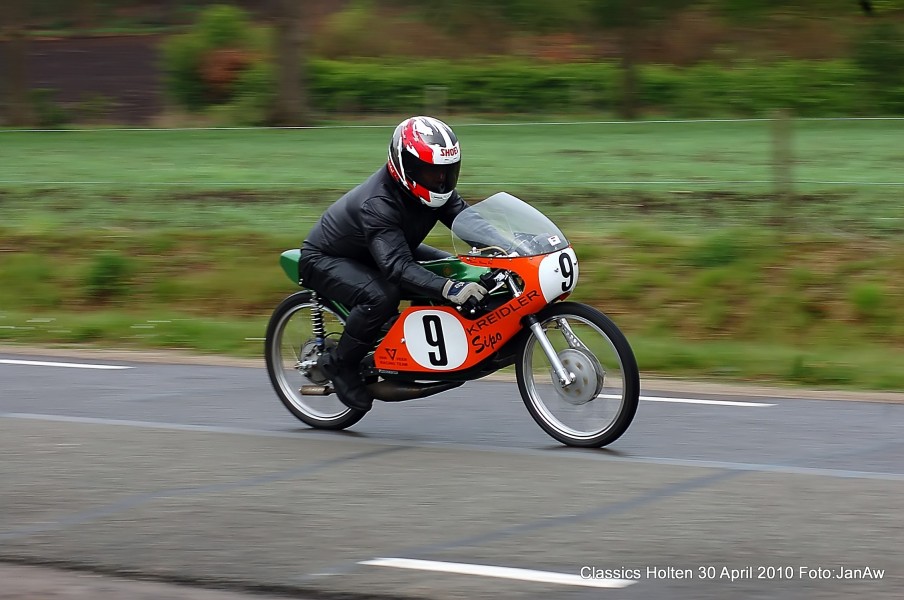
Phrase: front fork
(566, 378)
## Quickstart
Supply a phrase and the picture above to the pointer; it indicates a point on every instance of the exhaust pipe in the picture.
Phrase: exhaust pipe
(398, 391)
(389, 391)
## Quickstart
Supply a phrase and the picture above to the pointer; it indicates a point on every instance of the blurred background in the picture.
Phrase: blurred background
(728, 170)
(277, 61)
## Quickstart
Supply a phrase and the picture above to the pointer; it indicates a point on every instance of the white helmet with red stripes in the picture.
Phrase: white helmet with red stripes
(425, 158)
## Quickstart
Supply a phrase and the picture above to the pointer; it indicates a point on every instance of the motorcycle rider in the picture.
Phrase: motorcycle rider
(363, 250)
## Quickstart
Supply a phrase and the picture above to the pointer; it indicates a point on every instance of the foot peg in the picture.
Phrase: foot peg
(315, 390)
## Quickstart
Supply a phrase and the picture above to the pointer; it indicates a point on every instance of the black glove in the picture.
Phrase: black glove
(460, 292)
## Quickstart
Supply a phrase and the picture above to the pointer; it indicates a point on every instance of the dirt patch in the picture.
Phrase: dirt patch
(119, 75)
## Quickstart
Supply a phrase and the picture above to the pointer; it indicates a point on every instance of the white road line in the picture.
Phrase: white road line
(699, 401)
(647, 398)
(501, 572)
(40, 363)
(694, 401)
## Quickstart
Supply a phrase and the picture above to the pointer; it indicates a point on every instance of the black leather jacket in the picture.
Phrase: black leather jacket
(381, 224)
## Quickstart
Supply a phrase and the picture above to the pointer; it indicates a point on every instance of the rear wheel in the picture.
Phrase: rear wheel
(597, 408)
(291, 355)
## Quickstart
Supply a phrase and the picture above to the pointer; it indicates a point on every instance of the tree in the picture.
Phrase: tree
(629, 18)
(87, 14)
(13, 71)
(291, 98)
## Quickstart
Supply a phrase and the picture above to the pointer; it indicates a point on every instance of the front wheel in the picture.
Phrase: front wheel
(595, 409)
(291, 355)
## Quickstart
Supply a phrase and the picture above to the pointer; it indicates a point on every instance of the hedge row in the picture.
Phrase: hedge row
(809, 88)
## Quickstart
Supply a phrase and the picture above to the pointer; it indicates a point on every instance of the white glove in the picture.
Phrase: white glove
(460, 292)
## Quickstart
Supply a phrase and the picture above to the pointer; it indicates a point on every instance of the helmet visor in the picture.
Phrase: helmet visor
(436, 178)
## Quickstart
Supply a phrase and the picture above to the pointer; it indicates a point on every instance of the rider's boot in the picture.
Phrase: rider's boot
(341, 364)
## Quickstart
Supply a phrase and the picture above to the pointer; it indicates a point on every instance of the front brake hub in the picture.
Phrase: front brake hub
(588, 376)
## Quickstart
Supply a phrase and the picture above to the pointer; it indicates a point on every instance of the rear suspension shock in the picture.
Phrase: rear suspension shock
(317, 325)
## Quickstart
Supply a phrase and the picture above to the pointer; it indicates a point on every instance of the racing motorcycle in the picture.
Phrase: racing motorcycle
(576, 371)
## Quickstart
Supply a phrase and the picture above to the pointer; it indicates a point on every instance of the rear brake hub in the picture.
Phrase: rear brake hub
(307, 362)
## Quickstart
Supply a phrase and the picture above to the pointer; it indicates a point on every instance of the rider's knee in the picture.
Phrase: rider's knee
(383, 298)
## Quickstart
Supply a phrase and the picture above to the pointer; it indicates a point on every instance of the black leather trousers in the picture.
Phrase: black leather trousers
(371, 298)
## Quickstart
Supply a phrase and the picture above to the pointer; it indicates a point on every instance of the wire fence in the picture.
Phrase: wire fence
(781, 154)
(457, 125)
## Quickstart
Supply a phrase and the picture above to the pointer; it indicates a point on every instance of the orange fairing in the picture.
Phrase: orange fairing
(440, 338)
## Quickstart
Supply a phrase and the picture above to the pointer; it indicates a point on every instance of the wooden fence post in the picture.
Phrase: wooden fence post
(782, 165)
(782, 156)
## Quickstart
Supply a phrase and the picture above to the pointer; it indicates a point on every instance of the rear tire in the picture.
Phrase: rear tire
(598, 407)
(291, 357)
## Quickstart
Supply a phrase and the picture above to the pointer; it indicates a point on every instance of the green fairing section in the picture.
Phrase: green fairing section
(445, 267)
(454, 269)
(289, 263)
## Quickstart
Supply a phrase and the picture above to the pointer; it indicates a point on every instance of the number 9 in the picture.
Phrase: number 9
(567, 267)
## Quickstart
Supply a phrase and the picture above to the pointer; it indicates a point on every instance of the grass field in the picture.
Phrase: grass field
(170, 238)
(559, 156)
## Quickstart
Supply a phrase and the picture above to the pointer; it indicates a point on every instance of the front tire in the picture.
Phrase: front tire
(598, 407)
(291, 357)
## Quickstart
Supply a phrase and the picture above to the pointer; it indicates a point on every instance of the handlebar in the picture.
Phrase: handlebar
(490, 280)
(470, 306)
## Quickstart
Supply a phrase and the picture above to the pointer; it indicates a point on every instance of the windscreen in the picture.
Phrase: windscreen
(501, 225)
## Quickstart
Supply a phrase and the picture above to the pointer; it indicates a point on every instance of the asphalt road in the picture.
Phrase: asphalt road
(195, 474)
